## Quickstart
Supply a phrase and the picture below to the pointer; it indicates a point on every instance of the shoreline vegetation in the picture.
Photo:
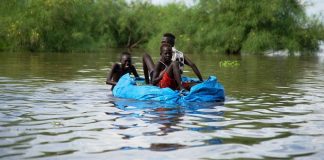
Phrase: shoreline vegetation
(210, 26)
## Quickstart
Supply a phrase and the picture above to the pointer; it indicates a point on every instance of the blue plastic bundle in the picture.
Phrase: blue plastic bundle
(208, 91)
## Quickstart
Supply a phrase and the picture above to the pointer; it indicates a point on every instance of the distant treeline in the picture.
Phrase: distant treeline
(217, 26)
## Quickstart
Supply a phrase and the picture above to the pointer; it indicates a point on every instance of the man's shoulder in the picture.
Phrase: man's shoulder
(175, 51)
(133, 67)
(159, 64)
(117, 65)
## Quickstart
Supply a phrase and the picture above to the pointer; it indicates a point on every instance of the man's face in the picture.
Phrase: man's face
(166, 53)
(168, 40)
(126, 61)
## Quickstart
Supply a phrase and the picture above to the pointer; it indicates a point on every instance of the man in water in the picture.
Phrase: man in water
(148, 65)
(119, 69)
(167, 72)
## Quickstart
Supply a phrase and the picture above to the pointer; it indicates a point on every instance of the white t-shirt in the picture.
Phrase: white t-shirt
(178, 56)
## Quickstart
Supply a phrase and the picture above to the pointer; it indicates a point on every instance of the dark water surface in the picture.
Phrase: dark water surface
(57, 106)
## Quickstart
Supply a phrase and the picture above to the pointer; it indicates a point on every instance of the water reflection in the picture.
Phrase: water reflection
(169, 120)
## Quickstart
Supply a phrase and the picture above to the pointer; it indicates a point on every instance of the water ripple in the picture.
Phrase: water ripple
(76, 117)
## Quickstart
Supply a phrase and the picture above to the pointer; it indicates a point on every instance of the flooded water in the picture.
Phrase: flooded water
(57, 106)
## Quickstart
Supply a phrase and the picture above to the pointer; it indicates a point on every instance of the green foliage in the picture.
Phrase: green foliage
(218, 26)
(170, 18)
(228, 64)
(257, 26)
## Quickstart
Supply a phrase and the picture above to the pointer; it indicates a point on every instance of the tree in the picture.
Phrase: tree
(255, 26)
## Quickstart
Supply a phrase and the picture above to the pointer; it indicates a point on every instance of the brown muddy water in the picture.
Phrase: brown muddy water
(57, 106)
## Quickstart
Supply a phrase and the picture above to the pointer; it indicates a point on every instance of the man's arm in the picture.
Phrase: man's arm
(134, 72)
(193, 66)
(111, 83)
(114, 70)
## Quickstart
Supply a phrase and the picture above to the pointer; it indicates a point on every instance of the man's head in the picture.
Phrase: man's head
(125, 59)
(166, 52)
(168, 38)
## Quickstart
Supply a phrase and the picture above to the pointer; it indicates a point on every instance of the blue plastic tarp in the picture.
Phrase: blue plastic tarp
(208, 91)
